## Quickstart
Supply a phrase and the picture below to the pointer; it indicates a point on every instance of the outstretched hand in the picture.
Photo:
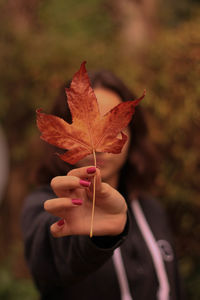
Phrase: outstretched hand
(74, 205)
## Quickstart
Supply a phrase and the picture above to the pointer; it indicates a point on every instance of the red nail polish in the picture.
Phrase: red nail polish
(91, 170)
(61, 222)
(85, 183)
(77, 201)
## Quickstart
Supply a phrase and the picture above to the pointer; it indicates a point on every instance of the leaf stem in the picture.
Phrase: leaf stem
(93, 200)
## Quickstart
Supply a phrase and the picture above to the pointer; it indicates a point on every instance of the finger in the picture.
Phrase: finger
(62, 184)
(88, 172)
(65, 227)
(84, 172)
(60, 205)
(60, 228)
(96, 184)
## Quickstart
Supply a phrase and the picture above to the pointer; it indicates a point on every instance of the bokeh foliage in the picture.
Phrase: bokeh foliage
(43, 44)
(172, 74)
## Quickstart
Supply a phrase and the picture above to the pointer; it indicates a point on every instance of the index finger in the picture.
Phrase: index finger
(87, 172)
(83, 172)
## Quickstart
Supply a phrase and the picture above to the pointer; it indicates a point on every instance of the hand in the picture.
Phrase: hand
(74, 205)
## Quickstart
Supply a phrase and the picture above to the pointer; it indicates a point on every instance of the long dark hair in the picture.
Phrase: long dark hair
(140, 168)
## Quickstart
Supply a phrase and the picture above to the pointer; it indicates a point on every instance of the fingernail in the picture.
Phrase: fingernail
(61, 222)
(91, 170)
(77, 201)
(85, 183)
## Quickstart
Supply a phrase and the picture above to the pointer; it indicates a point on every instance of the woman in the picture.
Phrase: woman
(130, 255)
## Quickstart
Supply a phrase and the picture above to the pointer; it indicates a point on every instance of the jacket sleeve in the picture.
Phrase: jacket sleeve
(60, 261)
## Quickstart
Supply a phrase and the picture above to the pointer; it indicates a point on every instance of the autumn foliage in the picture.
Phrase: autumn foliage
(89, 132)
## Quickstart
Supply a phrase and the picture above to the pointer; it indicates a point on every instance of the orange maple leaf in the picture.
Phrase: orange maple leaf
(89, 132)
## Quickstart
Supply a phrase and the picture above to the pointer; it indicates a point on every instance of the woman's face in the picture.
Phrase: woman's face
(110, 164)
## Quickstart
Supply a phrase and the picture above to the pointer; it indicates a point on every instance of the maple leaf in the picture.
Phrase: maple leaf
(89, 132)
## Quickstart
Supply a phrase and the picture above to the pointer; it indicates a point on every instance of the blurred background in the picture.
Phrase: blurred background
(152, 44)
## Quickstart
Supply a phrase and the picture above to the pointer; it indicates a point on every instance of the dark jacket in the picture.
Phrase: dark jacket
(77, 267)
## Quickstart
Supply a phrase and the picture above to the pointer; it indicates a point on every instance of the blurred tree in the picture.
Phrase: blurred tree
(4, 163)
(172, 75)
(172, 13)
(137, 22)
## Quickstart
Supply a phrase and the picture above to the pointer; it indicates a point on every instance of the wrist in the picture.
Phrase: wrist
(110, 241)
